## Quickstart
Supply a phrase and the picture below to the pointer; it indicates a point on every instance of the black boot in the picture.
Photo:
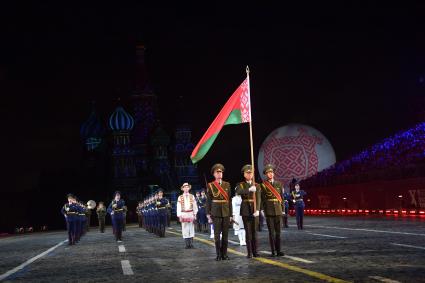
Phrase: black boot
(278, 251)
(186, 240)
(285, 221)
(191, 243)
(217, 250)
(254, 248)
(272, 245)
(224, 250)
(249, 248)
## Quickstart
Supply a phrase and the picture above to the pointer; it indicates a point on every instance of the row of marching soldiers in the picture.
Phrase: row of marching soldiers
(77, 216)
(154, 213)
(253, 197)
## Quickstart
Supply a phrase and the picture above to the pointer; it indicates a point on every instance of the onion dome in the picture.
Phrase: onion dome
(92, 128)
(120, 120)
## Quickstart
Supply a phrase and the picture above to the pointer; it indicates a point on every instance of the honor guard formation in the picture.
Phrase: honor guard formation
(153, 213)
(218, 208)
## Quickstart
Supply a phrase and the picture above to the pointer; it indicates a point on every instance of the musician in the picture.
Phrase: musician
(297, 198)
(88, 218)
(70, 212)
(250, 212)
(162, 205)
(116, 210)
(186, 212)
(219, 210)
(272, 201)
(101, 214)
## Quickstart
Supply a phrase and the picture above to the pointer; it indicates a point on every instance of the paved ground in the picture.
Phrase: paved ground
(333, 249)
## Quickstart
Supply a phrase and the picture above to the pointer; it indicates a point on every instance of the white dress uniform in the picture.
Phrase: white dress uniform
(239, 229)
(187, 210)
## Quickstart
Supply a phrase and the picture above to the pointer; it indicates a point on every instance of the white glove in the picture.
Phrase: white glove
(67, 209)
(256, 213)
(114, 205)
(253, 189)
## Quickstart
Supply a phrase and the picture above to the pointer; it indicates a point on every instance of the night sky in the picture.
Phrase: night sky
(349, 70)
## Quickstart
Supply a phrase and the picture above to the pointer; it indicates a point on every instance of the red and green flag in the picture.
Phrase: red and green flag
(237, 110)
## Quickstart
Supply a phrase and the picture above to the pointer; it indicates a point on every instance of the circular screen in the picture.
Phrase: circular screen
(297, 151)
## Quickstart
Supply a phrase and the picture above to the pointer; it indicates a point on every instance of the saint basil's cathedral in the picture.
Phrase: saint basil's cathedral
(131, 151)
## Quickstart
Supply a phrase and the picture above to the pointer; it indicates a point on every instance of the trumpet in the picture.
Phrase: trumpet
(91, 204)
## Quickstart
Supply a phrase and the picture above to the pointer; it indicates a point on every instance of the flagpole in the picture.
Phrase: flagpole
(250, 138)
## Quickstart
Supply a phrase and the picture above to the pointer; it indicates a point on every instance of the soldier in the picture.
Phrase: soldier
(186, 212)
(161, 205)
(101, 214)
(286, 198)
(297, 198)
(250, 216)
(88, 218)
(70, 212)
(139, 209)
(80, 222)
(271, 196)
(202, 219)
(197, 224)
(116, 210)
(219, 210)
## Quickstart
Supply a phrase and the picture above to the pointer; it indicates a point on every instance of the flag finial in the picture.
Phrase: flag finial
(247, 70)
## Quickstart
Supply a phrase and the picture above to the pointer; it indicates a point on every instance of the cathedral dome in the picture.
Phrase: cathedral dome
(92, 128)
(120, 120)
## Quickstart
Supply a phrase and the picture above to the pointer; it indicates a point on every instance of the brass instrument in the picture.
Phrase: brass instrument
(91, 204)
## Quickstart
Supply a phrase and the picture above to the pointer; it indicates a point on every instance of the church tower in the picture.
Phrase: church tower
(123, 165)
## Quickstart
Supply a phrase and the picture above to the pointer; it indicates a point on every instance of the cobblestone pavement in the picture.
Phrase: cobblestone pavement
(330, 249)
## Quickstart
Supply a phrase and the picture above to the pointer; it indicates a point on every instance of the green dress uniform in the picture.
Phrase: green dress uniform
(220, 210)
(101, 214)
(250, 221)
(273, 207)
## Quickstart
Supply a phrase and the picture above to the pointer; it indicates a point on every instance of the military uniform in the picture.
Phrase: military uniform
(70, 211)
(286, 199)
(116, 210)
(88, 218)
(139, 214)
(101, 214)
(297, 198)
(219, 207)
(202, 213)
(162, 205)
(272, 203)
(248, 213)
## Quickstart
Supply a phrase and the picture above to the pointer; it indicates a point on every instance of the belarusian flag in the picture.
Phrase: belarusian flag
(237, 110)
